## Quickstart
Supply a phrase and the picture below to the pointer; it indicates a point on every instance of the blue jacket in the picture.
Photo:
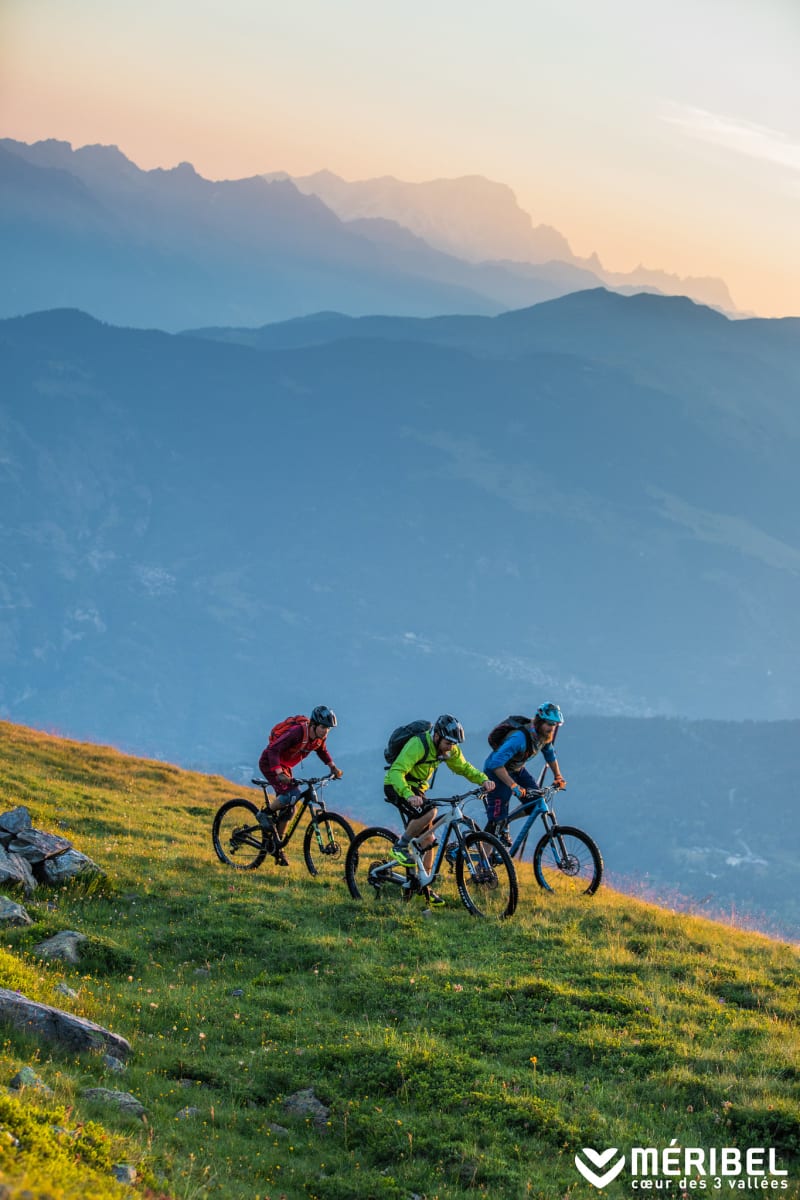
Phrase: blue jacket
(516, 747)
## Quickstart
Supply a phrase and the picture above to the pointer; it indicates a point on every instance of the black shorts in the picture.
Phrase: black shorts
(407, 811)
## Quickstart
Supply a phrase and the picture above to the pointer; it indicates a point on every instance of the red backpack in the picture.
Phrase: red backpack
(287, 723)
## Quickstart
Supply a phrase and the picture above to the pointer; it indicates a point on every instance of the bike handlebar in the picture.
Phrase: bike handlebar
(454, 800)
(300, 782)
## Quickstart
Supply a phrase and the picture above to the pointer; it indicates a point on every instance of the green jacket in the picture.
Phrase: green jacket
(414, 766)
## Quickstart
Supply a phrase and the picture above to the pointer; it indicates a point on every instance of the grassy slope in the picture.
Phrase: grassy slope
(456, 1057)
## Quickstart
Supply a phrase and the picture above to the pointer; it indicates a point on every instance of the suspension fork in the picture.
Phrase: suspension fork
(484, 861)
(551, 823)
(456, 829)
(319, 820)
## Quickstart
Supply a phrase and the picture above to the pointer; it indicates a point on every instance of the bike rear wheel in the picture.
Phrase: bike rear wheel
(487, 881)
(371, 872)
(567, 862)
(325, 844)
(239, 839)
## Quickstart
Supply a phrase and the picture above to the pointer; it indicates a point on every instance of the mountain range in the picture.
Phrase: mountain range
(480, 220)
(595, 497)
(87, 228)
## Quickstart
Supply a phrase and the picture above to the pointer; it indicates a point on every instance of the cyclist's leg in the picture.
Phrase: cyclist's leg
(526, 780)
(281, 809)
(428, 843)
(415, 820)
(496, 802)
(500, 827)
(531, 785)
(417, 826)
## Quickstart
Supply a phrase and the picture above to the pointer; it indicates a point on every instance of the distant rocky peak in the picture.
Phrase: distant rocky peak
(472, 217)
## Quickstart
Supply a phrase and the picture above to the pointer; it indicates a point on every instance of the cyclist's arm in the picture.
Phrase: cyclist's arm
(514, 744)
(324, 754)
(549, 756)
(554, 767)
(459, 765)
(412, 755)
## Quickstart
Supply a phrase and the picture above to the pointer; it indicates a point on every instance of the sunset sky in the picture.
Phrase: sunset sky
(666, 134)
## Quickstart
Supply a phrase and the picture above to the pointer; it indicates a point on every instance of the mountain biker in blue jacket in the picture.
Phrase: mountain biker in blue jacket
(506, 765)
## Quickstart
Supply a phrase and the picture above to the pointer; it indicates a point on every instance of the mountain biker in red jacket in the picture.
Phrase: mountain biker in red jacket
(295, 743)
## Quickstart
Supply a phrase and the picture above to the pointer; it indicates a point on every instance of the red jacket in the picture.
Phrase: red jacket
(290, 749)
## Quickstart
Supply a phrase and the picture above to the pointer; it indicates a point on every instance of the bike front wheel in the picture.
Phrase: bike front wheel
(370, 871)
(325, 844)
(239, 839)
(567, 862)
(487, 881)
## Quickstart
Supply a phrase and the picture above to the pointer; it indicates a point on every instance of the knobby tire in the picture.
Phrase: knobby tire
(577, 874)
(486, 879)
(371, 849)
(238, 838)
(336, 834)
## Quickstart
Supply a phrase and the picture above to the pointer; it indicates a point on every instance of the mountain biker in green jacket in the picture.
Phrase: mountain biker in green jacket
(409, 778)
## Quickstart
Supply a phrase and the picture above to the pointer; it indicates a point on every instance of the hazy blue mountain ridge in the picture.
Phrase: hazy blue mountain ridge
(480, 220)
(87, 228)
(174, 249)
(471, 217)
(507, 284)
(198, 534)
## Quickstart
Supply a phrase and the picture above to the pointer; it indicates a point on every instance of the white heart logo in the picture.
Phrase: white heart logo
(599, 1159)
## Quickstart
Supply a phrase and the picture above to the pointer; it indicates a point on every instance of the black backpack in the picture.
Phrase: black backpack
(403, 734)
(501, 731)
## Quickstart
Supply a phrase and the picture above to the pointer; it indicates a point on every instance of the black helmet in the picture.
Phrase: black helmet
(322, 715)
(449, 728)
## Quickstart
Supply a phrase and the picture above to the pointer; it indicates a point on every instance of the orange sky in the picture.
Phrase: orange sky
(662, 135)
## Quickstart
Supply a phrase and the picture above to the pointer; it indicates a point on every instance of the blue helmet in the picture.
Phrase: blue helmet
(550, 712)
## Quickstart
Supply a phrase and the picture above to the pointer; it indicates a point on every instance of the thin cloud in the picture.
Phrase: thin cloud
(580, 694)
(742, 137)
(735, 533)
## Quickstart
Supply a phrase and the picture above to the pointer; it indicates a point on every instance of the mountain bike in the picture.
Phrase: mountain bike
(566, 860)
(243, 834)
(485, 875)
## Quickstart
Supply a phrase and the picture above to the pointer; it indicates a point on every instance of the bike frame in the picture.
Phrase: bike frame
(452, 822)
(309, 799)
(543, 809)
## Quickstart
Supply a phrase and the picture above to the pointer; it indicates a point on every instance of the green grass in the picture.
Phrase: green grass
(458, 1058)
